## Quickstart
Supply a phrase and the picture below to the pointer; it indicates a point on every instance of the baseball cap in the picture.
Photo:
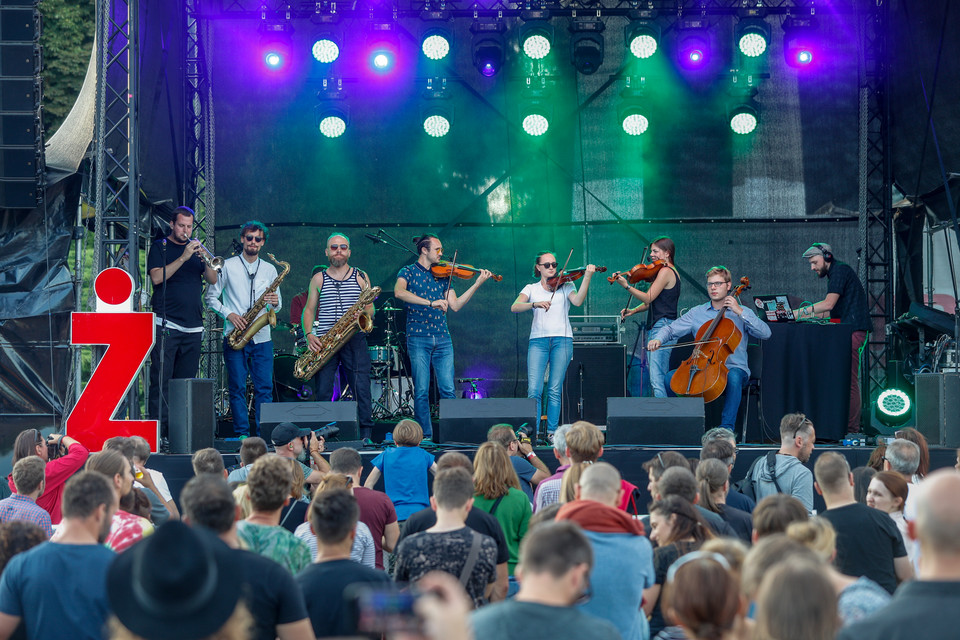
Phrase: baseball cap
(817, 249)
(286, 432)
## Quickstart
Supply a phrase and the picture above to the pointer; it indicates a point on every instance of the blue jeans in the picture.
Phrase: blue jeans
(257, 361)
(658, 362)
(736, 380)
(558, 352)
(424, 351)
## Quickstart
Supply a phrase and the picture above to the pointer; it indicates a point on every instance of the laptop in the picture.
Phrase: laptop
(774, 308)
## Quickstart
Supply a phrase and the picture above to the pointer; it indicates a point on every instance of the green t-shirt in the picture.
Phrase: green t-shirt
(275, 543)
(513, 513)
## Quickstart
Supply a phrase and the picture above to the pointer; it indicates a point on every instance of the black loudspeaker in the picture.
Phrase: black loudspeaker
(938, 408)
(655, 421)
(597, 372)
(310, 415)
(463, 420)
(191, 416)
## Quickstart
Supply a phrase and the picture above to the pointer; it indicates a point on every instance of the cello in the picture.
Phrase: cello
(704, 373)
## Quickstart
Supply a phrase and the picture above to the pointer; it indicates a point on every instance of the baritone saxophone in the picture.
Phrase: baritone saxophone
(349, 323)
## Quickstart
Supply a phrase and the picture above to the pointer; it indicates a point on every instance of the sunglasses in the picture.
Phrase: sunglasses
(250, 238)
(549, 265)
(342, 247)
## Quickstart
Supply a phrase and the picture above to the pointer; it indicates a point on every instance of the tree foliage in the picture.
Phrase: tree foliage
(67, 37)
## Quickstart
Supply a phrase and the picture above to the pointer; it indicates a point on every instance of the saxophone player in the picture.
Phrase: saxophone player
(332, 292)
(244, 279)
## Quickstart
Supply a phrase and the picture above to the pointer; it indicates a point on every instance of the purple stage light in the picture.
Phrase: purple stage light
(693, 52)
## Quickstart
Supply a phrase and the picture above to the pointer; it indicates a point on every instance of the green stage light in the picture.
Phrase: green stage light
(643, 38)
(744, 118)
(535, 124)
(752, 36)
(893, 406)
(536, 38)
(436, 43)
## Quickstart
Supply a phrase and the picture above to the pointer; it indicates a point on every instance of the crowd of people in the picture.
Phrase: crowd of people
(92, 545)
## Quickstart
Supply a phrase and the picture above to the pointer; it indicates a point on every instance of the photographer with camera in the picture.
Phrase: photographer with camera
(530, 469)
(294, 443)
(64, 457)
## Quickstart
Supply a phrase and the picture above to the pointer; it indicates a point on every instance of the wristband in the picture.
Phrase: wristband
(530, 455)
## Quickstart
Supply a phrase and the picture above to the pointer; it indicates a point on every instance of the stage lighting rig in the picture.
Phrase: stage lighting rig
(893, 407)
(693, 43)
(436, 112)
(382, 46)
(535, 107)
(332, 113)
(642, 37)
(800, 36)
(536, 33)
(326, 47)
(586, 44)
(633, 111)
(488, 46)
(752, 34)
(275, 43)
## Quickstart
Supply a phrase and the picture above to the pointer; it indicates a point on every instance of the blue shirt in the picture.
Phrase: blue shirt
(21, 508)
(424, 322)
(692, 320)
(525, 472)
(404, 472)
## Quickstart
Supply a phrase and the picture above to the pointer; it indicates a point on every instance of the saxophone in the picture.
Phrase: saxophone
(238, 339)
(349, 323)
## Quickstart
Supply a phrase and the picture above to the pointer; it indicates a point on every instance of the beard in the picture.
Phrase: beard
(338, 261)
(251, 249)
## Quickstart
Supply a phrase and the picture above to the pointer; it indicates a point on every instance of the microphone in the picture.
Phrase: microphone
(373, 237)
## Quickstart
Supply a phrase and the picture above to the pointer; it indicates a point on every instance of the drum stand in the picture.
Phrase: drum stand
(392, 403)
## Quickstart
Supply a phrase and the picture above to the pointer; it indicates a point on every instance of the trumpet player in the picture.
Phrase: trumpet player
(332, 292)
(177, 273)
(243, 281)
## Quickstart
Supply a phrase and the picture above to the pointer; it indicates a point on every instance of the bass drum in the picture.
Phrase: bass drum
(286, 386)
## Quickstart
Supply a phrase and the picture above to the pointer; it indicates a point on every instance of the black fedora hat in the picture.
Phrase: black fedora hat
(181, 583)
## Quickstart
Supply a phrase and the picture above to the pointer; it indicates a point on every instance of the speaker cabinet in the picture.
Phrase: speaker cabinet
(191, 416)
(938, 407)
(597, 372)
(310, 415)
(655, 421)
(463, 420)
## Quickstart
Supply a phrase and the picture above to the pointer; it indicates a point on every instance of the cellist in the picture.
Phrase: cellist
(719, 284)
(661, 301)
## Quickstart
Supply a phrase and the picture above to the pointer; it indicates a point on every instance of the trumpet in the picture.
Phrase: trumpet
(212, 261)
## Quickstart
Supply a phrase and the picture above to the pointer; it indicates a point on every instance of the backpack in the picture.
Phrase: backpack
(748, 487)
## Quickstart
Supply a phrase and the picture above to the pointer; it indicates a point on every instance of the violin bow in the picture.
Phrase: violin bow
(453, 268)
(626, 307)
(560, 273)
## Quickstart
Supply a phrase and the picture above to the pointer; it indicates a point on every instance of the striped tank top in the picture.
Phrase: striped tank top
(336, 297)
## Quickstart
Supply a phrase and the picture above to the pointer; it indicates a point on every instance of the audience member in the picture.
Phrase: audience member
(680, 481)
(16, 537)
(877, 457)
(732, 549)
(548, 490)
(140, 455)
(376, 508)
(208, 460)
(656, 465)
(31, 442)
(784, 472)
(775, 513)
(555, 563)
(677, 529)
(868, 543)
(126, 528)
(363, 550)
(917, 438)
(713, 479)
(857, 597)
(325, 584)
(861, 482)
(161, 589)
(622, 556)
(269, 484)
(28, 475)
(796, 602)
(585, 446)
(702, 596)
(530, 469)
(302, 445)
(497, 491)
(547, 514)
(721, 444)
(767, 553)
(478, 520)
(926, 606)
(888, 492)
(250, 449)
(59, 589)
(160, 512)
(295, 513)
(404, 470)
(269, 590)
(450, 545)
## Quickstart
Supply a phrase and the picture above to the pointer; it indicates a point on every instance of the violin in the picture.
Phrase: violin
(640, 272)
(444, 269)
(569, 275)
(704, 373)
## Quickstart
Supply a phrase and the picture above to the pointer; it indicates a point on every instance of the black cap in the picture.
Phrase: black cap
(286, 432)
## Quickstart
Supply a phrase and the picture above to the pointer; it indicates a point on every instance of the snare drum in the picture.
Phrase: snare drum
(382, 355)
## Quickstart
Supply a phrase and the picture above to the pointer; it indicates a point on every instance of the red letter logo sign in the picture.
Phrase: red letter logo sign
(129, 337)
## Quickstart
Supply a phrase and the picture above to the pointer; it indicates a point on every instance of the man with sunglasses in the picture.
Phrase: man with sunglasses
(747, 323)
(332, 292)
(243, 280)
(177, 274)
(784, 472)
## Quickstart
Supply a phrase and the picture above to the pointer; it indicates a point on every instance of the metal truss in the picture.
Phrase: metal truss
(116, 191)
(876, 198)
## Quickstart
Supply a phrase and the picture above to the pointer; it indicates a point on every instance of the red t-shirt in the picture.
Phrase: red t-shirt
(376, 511)
(56, 474)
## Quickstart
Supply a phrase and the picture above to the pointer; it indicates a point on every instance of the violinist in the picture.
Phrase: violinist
(428, 298)
(660, 301)
(746, 321)
(551, 336)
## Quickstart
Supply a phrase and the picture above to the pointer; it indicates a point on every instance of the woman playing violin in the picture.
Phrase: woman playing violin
(661, 300)
(551, 337)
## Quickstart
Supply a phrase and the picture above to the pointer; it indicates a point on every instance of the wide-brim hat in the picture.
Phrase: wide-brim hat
(181, 583)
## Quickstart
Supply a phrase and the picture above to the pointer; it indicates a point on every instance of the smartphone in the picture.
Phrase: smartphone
(385, 609)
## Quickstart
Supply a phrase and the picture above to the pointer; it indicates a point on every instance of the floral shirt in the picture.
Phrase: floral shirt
(275, 543)
(126, 529)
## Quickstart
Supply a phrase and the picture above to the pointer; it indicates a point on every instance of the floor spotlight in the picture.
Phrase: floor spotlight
(586, 44)
(435, 43)
(893, 407)
(693, 43)
(488, 46)
(536, 35)
(800, 41)
(752, 36)
(642, 38)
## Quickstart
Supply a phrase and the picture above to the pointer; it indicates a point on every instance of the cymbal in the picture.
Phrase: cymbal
(390, 309)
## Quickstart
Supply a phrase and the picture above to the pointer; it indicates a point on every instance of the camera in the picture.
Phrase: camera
(385, 609)
(525, 431)
(56, 450)
(328, 432)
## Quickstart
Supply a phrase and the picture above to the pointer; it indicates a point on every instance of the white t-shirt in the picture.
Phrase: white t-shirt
(555, 321)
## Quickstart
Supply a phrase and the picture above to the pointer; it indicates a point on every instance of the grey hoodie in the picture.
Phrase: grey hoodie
(794, 479)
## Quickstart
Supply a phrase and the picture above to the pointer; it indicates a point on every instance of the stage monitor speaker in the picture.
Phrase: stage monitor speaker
(310, 415)
(655, 421)
(191, 417)
(597, 372)
(464, 420)
(938, 407)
